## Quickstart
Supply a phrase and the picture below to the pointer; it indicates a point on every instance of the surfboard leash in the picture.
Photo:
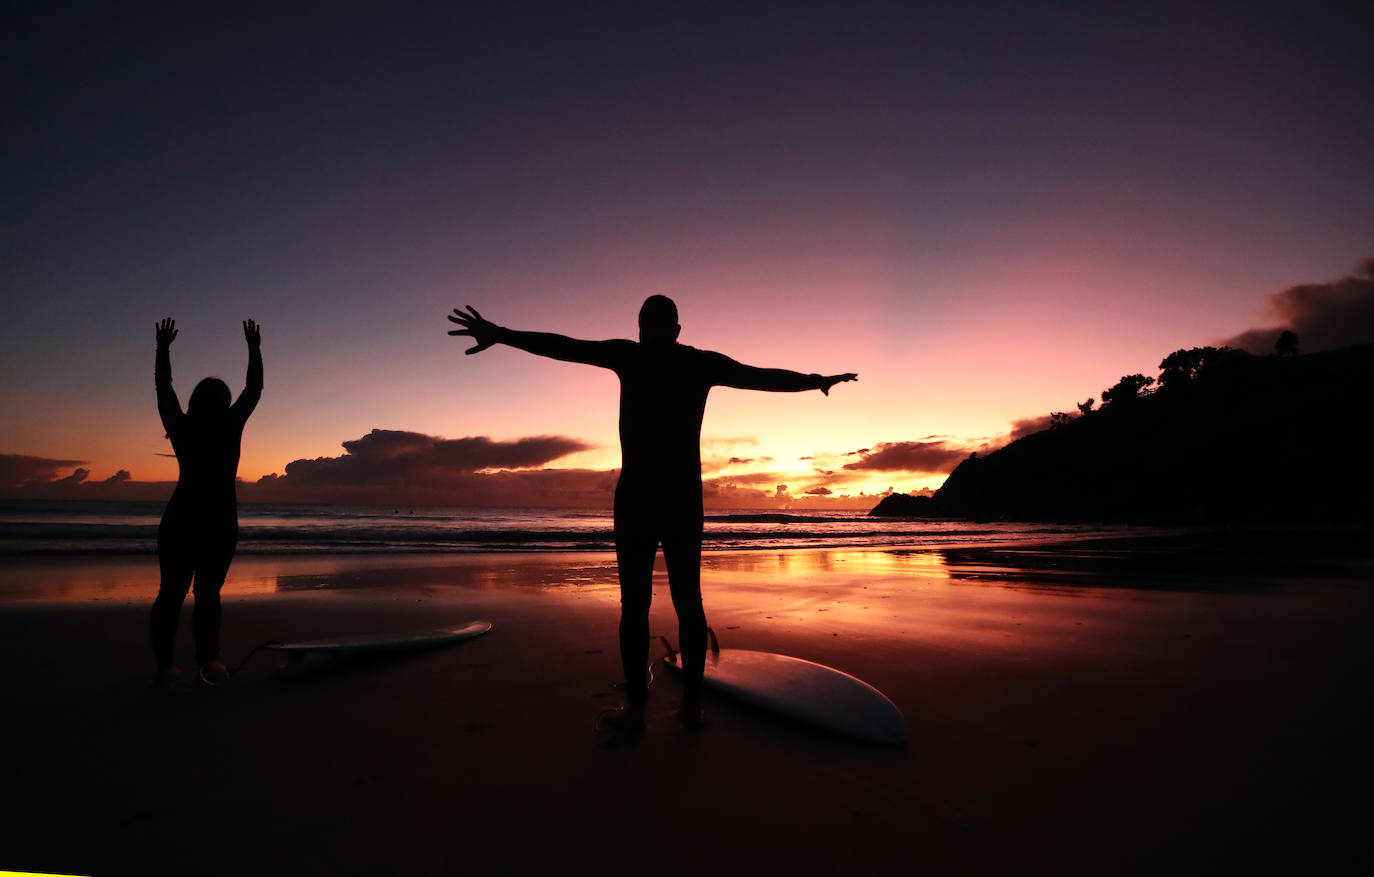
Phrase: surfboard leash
(672, 652)
(256, 649)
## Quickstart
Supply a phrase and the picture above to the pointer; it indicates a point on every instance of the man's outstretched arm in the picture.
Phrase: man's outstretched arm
(487, 333)
(776, 380)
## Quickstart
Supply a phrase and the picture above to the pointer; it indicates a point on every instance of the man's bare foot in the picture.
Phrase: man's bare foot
(214, 673)
(692, 716)
(621, 726)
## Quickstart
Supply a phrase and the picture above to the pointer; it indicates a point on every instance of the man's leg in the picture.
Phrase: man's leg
(682, 553)
(635, 547)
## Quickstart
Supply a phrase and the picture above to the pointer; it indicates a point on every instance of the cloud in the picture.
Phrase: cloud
(78, 476)
(403, 468)
(766, 490)
(937, 457)
(1019, 429)
(714, 443)
(33, 477)
(1027, 426)
(742, 479)
(389, 466)
(540, 488)
(1324, 315)
(394, 458)
(719, 464)
(20, 469)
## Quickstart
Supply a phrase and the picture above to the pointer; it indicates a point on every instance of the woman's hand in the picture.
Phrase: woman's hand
(166, 332)
(251, 333)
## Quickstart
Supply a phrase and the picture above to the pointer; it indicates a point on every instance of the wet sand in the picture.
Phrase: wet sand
(1067, 714)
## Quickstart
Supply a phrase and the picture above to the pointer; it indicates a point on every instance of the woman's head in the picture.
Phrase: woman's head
(210, 397)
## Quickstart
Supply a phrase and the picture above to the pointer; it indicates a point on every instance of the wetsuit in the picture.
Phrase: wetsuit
(663, 390)
(199, 528)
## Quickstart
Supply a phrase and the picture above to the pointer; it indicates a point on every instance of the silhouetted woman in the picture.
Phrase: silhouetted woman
(200, 527)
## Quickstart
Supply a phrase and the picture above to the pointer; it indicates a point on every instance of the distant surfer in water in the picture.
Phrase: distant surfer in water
(200, 526)
(663, 389)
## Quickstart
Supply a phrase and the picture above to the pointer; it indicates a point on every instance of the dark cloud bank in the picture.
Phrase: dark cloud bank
(19, 469)
(394, 466)
(383, 467)
(1324, 315)
(392, 458)
(397, 467)
(26, 472)
(933, 456)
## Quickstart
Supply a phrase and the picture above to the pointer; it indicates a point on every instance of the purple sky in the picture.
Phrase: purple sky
(989, 211)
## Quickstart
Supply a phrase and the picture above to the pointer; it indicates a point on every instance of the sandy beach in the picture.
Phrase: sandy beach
(1068, 713)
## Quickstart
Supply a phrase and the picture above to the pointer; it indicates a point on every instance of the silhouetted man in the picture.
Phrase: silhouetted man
(663, 389)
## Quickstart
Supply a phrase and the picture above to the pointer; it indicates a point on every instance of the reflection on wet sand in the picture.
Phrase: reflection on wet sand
(803, 564)
(1053, 604)
(838, 590)
(481, 571)
(133, 579)
(76, 579)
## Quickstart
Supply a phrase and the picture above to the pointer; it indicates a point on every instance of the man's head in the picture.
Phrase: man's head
(658, 320)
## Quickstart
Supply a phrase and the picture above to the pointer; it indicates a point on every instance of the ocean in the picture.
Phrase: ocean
(43, 527)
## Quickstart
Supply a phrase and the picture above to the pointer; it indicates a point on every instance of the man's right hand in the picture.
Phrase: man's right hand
(484, 332)
(831, 380)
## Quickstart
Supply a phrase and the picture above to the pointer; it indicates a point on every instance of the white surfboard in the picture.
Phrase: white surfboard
(804, 690)
(385, 642)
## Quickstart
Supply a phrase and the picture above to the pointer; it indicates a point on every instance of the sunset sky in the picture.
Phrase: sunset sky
(989, 211)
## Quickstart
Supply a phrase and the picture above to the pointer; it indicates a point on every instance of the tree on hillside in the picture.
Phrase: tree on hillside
(1126, 390)
(1287, 345)
(1085, 407)
(1182, 366)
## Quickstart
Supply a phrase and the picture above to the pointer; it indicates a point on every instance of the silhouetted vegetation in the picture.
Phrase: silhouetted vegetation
(904, 505)
(1227, 436)
(1287, 345)
(1199, 363)
(1126, 390)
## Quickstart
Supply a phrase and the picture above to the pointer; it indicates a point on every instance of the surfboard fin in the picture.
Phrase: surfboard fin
(715, 644)
(672, 652)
